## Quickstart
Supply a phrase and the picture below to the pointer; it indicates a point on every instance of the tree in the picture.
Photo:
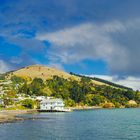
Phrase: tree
(36, 86)
(77, 93)
(16, 79)
(69, 103)
(28, 103)
(2, 77)
(98, 100)
(24, 89)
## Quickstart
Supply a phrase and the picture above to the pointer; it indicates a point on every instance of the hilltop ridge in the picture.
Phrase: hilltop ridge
(45, 72)
(40, 71)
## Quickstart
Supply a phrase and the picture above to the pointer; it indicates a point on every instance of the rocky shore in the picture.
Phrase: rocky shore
(7, 116)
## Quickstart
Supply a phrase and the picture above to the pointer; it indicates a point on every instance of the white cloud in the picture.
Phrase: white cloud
(132, 82)
(3, 67)
(80, 42)
(109, 41)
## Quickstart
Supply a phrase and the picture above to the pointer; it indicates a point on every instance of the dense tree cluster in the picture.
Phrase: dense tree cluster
(82, 92)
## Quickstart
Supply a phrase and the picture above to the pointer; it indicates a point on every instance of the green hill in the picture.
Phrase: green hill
(75, 90)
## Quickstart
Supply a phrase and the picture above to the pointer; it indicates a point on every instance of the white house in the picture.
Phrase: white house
(52, 105)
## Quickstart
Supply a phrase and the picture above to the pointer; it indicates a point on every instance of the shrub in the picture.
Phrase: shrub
(2, 77)
(108, 105)
(28, 103)
(16, 79)
(69, 103)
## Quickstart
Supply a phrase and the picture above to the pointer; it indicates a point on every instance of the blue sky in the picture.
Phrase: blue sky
(83, 36)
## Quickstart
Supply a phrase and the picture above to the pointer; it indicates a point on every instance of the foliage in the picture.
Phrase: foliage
(2, 77)
(16, 79)
(131, 106)
(34, 88)
(69, 103)
(98, 100)
(28, 103)
(108, 105)
(8, 98)
(82, 92)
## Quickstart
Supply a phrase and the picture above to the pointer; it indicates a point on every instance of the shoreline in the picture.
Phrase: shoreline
(85, 107)
(9, 116)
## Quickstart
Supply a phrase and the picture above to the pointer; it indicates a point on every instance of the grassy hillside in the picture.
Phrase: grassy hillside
(44, 72)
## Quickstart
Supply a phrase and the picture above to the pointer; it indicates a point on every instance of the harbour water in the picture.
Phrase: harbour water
(99, 124)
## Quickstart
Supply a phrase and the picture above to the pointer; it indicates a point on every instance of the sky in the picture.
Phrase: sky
(91, 37)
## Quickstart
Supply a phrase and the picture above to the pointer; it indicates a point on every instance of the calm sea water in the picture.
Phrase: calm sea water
(113, 124)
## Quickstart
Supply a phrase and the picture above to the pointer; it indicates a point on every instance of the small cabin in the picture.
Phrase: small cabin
(52, 105)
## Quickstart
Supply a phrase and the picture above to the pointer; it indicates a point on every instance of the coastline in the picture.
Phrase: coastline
(85, 107)
(9, 116)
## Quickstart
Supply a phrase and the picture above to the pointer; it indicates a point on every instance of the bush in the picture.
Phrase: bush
(117, 105)
(108, 105)
(131, 104)
(16, 79)
(28, 103)
(98, 99)
(69, 103)
(2, 77)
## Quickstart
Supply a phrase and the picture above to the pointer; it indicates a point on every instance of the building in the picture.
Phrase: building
(52, 105)
(40, 98)
(1, 102)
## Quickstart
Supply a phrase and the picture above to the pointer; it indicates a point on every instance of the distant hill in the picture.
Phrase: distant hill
(44, 72)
